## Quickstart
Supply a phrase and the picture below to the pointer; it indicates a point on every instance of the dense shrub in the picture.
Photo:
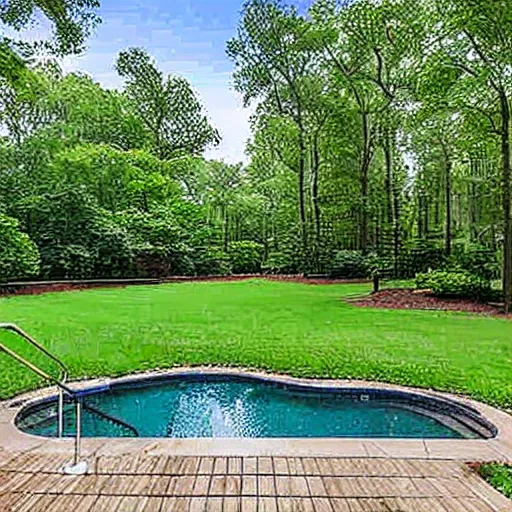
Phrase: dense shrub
(212, 262)
(477, 260)
(246, 257)
(375, 263)
(66, 262)
(151, 261)
(421, 256)
(19, 256)
(454, 284)
(348, 265)
(280, 263)
(159, 243)
(112, 251)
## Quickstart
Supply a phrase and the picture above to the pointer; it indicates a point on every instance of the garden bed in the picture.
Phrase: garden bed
(406, 298)
(498, 475)
(37, 288)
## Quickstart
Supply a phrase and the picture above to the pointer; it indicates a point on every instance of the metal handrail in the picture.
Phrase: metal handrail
(64, 371)
(61, 384)
(108, 417)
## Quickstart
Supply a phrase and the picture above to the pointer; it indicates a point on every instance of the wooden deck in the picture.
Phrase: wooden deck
(31, 482)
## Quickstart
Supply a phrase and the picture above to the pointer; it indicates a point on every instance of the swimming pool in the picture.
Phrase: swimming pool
(230, 406)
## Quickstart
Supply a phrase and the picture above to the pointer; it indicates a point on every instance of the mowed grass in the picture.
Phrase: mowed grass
(299, 329)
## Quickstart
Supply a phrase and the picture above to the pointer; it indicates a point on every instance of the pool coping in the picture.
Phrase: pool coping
(497, 449)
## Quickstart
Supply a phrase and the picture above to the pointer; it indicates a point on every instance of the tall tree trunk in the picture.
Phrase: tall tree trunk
(473, 205)
(302, 206)
(363, 242)
(364, 167)
(421, 217)
(507, 227)
(316, 207)
(448, 199)
(396, 230)
(427, 216)
(388, 153)
(437, 209)
(226, 229)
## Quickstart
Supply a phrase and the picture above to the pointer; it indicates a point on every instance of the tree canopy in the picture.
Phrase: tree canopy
(378, 127)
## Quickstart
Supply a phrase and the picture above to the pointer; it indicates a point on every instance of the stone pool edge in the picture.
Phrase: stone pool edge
(497, 449)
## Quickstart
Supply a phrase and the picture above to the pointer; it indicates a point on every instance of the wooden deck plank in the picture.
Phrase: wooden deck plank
(295, 505)
(163, 483)
(235, 465)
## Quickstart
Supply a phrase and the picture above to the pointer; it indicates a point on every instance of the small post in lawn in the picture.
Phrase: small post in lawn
(376, 279)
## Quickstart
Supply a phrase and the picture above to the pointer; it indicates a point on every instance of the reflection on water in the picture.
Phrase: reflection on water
(218, 407)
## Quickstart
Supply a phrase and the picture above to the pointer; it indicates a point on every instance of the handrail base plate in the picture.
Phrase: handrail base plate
(76, 469)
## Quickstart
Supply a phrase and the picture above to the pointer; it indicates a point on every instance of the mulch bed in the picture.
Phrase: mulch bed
(50, 288)
(405, 298)
(38, 289)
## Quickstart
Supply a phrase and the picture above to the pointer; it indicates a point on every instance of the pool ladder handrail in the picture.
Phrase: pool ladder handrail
(61, 383)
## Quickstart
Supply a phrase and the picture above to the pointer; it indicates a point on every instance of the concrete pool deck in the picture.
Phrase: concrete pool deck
(373, 475)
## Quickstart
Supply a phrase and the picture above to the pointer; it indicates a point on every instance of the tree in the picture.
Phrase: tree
(475, 38)
(19, 256)
(73, 20)
(272, 58)
(167, 106)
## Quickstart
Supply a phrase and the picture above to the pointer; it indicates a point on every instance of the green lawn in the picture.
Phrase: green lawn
(499, 476)
(299, 329)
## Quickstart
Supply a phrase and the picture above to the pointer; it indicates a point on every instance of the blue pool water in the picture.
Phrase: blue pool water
(226, 407)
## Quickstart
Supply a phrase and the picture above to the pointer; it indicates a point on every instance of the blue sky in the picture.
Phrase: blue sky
(188, 38)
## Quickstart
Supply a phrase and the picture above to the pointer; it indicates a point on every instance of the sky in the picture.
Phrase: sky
(187, 38)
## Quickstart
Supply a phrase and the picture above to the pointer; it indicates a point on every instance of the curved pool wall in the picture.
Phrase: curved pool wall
(228, 405)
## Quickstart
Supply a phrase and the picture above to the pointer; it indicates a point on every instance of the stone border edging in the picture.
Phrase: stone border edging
(479, 450)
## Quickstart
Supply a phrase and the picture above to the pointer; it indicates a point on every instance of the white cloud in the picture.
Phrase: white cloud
(180, 52)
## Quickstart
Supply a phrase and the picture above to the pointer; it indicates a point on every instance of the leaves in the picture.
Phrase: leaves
(168, 106)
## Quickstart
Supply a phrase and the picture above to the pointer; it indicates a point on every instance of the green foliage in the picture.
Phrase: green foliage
(73, 20)
(212, 261)
(342, 94)
(246, 257)
(477, 260)
(66, 262)
(348, 265)
(159, 242)
(454, 284)
(152, 261)
(421, 256)
(499, 476)
(168, 107)
(280, 263)
(375, 263)
(77, 238)
(19, 256)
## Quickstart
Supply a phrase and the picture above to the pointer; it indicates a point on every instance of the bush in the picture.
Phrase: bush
(213, 262)
(113, 254)
(348, 265)
(280, 263)
(246, 257)
(421, 256)
(454, 284)
(151, 261)
(66, 262)
(19, 256)
(159, 243)
(477, 260)
(76, 238)
(376, 263)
